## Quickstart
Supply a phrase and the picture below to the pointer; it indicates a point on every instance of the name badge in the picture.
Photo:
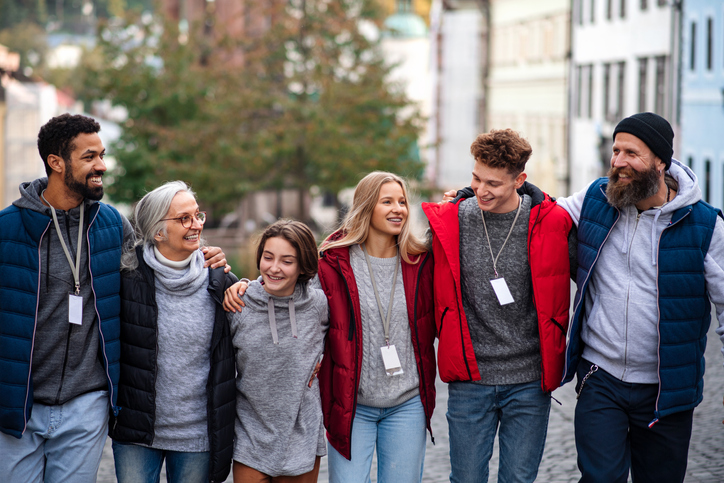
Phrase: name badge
(502, 291)
(391, 361)
(75, 309)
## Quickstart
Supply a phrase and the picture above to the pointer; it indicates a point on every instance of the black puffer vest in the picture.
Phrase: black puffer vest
(137, 387)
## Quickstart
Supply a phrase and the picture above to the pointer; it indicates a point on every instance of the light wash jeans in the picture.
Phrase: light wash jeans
(139, 464)
(474, 414)
(62, 442)
(399, 434)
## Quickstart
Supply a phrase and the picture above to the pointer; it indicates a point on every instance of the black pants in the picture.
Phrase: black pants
(612, 432)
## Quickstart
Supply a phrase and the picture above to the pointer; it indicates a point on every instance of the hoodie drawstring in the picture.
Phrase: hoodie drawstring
(273, 319)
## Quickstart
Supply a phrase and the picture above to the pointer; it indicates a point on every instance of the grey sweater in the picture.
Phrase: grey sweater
(186, 315)
(505, 337)
(66, 360)
(376, 388)
(279, 427)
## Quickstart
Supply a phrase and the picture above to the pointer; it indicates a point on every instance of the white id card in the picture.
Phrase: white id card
(502, 291)
(391, 361)
(75, 309)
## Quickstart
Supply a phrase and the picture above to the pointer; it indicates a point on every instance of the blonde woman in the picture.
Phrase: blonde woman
(378, 373)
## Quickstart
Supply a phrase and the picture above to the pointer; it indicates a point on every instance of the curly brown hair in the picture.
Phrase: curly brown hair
(502, 148)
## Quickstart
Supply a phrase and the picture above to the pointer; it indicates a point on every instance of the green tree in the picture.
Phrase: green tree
(301, 103)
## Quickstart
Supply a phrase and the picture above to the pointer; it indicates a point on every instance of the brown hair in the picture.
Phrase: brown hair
(502, 148)
(301, 238)
(356, 224)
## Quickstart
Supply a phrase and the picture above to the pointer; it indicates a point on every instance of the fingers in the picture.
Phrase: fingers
(314, 373)
(232, 297)
(448, 196)
(215, 258)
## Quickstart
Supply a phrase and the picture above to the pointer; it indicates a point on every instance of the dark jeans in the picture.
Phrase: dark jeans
(612, 433)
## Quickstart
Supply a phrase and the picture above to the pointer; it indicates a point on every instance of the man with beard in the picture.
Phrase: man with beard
(650, 263)
(59, 311)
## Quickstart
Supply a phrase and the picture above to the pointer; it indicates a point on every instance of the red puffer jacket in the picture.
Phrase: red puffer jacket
(342, 363)
(548, 229)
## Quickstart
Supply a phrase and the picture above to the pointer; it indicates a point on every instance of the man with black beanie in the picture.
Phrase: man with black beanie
(650, 263)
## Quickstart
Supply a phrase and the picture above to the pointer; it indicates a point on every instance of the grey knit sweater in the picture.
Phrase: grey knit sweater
(376, 388)
(505, 337)
(279, 428)
(185, 323)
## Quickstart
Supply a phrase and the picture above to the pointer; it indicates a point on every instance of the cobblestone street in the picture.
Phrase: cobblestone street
(706, 464)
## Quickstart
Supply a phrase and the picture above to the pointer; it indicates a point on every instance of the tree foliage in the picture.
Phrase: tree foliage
(303, 102)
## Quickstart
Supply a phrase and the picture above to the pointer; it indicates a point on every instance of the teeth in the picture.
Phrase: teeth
(97, 179)
(274, 278)
(191, 237)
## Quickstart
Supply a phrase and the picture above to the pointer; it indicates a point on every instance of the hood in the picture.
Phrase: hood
(30, 196)
(688, 194)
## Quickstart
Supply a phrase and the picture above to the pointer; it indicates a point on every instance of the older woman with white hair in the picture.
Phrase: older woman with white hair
(176, 391)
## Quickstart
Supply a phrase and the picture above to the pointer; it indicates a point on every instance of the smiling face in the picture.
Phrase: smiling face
(635, 174)
(180, 242)
(390, 212)
(85, 169)
(495, 188)
(279, 267)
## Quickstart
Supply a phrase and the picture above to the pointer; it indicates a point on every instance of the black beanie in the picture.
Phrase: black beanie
(652, 129)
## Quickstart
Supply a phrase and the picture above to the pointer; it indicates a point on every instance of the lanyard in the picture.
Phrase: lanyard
(73, 268)
(385, 320)
(495, 258)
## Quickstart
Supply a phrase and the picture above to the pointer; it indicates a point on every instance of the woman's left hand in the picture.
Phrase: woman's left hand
(215, 258)
(314, 374)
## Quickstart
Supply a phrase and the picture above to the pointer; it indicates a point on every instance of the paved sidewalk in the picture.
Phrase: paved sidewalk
(706, 461)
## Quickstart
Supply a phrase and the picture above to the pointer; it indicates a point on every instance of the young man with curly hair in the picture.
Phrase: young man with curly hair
(503, 254)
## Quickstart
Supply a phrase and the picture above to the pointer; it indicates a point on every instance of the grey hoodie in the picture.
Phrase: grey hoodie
(65, 361)
(279, 428)
(620, 329)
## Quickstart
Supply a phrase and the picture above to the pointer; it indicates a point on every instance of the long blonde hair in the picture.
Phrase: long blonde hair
(356, 224)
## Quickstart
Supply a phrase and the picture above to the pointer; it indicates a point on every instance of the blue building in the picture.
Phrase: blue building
(702, 95)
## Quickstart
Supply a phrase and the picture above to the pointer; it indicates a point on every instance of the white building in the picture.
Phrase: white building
(458, 35)
(526, 87)
(622, 63)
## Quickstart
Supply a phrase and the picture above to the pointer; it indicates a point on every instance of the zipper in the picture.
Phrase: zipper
(658, 329)
(66, 220)
(585, 286)
(35, 328)
(628, 298)
(95, 306)
(417, 337)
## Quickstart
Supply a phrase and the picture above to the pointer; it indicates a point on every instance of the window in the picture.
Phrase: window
(709, 43)
(593, 10)
(606, 89)
(622, 11)
(707, 181)
(584, 102)
(609, 9)
(689, 161)
(692, 51)
(643, 65)
(662, 3)
(579, 12)
(660, 84)
(620, 91)
(644, 4)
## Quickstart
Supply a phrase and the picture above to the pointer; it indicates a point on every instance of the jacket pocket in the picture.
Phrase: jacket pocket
(442, 319)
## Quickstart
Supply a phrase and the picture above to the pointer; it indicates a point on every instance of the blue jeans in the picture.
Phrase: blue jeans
(612, 433)
(62, 442)
(399, 434)
(518, 412)
(139, 464)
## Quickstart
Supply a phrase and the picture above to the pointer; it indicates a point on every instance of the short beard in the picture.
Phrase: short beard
(644, 184)
(94, 194)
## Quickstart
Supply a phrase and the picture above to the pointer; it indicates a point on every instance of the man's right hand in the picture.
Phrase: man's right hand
(232, 297)
(448, 196)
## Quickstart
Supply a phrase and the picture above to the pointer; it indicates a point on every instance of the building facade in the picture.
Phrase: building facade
(526, 87)
(702, 95)
(624, 60)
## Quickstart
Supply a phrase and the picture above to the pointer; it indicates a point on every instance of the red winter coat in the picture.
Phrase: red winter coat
(342, 363)
(548, 229)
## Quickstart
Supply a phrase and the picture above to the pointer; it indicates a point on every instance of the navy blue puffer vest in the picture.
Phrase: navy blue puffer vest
(684, 306)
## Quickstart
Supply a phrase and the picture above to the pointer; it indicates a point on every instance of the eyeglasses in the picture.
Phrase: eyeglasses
(188, 220)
